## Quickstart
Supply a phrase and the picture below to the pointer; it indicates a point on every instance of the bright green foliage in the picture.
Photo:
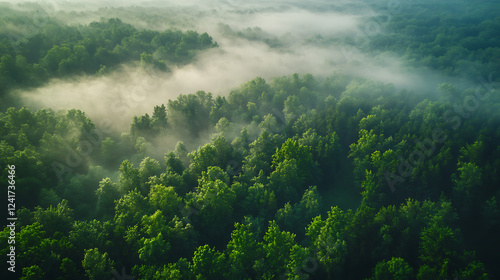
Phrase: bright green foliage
(154, 250)
(97, 266)
(129, 210)
(466, 181)
(89, 234)
(129, 177)
(261, 151)
(243, 249)
(337, 177)
(474, 270)
(260, 201)
(292, 150)
(437, 244)
(326, 150)
(32, 273)
(328, 241)
(301, 263)
(107, 193)
(177, 271)
(149, 167)
(156, 215)
(277, 246)
(393, 269)
(165, 199)
(286, 182)
(214, 199)
(208, 263)
(28, 238)
(202, 158)
(213, 174)
(361, 152)
(55, 219)
(371, 194)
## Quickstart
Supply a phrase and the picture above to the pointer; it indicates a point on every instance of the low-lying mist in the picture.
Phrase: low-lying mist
(255, 39)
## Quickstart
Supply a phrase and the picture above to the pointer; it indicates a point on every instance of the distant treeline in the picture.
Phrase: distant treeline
(34, 49)
(458, 38)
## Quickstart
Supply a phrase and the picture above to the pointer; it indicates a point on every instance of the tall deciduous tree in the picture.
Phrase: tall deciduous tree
(208, 263)
(97, 266)
(276, 246)
(107, 193)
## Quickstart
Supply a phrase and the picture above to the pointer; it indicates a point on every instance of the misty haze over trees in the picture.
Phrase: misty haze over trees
(251, 140)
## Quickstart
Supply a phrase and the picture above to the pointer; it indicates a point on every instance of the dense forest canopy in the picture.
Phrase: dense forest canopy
(332, 175)
(58, 50)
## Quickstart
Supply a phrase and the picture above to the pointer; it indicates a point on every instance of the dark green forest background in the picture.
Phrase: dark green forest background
(304, 177)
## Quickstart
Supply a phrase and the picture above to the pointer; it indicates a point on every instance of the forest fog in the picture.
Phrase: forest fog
(236, 139)
(256, 39)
